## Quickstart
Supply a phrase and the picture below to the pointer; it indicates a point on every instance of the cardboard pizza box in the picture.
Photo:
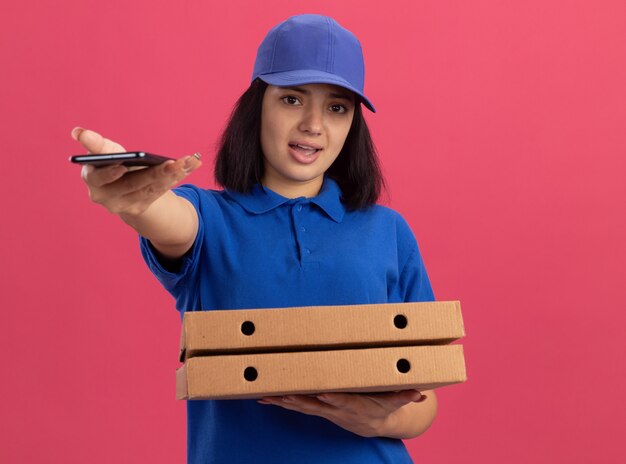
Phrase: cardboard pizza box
(320, 327)
(244, 376)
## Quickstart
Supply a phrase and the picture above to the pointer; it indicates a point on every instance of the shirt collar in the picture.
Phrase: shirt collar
(329, 199)
(260, 200)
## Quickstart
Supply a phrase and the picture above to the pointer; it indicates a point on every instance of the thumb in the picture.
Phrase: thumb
(94, 142)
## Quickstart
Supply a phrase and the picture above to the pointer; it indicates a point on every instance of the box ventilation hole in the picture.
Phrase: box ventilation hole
(400, 321)
(403, 365)
(247, 328)
(250, 374)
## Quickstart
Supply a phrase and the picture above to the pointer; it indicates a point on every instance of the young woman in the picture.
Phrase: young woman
(296, 225)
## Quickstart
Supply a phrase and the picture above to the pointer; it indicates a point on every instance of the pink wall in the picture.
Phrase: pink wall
(502, 128)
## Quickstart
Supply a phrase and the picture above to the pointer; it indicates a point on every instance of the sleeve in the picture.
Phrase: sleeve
(413, 284)
(179, 283)
(414, 281)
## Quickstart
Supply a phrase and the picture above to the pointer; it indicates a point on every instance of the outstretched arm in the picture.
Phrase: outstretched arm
(143, 198)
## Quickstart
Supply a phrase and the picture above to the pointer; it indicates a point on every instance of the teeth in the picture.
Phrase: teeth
(308, 151)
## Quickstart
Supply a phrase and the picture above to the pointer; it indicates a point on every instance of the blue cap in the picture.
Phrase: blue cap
(311, 49)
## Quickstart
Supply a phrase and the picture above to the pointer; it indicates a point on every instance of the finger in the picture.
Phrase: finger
(140, 188)
(270, 399)
(292, 399)
(98, 177)
(338, 400)
(111, 185)
(94, 142)
(157, 178)
(395, 400)
(188, 164)
(302, 404)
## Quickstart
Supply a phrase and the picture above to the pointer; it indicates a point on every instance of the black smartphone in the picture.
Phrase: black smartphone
(131, 158)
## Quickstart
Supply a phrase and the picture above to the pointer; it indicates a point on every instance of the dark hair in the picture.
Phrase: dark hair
(239, 161)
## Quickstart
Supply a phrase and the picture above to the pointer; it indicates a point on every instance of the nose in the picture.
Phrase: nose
(312, 120)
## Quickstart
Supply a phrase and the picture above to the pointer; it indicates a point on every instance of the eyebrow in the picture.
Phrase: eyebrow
(343, 96)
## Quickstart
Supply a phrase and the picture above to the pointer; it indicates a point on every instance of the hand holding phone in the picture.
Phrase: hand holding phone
(120, 189)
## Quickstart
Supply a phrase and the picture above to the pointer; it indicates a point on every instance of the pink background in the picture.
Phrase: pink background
(501, 127)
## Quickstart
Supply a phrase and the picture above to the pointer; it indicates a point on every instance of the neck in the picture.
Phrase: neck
(306, 189)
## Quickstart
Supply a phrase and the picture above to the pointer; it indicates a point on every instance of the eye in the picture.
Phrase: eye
(291, 100)
(338, 108)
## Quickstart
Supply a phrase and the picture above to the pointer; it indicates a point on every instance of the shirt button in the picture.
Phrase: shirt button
(303, 229)
(307, 251)
(299, 208)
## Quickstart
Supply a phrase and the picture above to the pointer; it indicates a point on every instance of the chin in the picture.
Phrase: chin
(303, 178)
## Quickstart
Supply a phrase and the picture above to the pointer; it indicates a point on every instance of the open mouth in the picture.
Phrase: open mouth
(304, 149)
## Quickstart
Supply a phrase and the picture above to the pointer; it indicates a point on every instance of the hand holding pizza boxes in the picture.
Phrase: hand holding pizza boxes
(238, 354)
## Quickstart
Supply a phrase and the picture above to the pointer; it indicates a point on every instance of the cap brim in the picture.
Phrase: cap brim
(302, 77)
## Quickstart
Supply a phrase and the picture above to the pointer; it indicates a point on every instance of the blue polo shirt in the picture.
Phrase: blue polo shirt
(262, 250)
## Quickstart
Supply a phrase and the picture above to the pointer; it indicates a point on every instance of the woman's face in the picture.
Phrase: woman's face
(303, 129)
